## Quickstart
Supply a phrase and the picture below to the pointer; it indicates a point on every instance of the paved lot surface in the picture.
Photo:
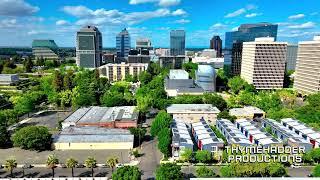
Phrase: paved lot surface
(34, 157)
(59, 172)
(300, 172)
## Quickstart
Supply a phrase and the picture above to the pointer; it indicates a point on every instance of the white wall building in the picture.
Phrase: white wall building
(206, 78)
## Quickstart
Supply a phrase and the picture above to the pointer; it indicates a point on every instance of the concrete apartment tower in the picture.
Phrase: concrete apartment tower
(263, 63)
(89, 47)
(307, 76)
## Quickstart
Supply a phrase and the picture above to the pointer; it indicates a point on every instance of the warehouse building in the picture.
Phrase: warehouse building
(111, 117)
(231, 133)
(249, 112)
(255, 134)
(92, 138)
(284, 134)
(205, 138)
(303, 131)
(191, 113)
(181, 138)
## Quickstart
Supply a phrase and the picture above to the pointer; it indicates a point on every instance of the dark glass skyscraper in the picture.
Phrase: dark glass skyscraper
(177, 42)
(123, 43)
(248, 32)
(216, 44)
(89, 47)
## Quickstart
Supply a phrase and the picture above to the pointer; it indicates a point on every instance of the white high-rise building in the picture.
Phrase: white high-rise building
(307, 76)
(263, 63)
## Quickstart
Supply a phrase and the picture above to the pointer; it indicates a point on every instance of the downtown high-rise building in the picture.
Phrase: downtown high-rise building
(248, 32)
(236, 59)
(292, 52)
(216, 44)
(123, 43)
(263, 63)
(89, 47)
(177, 42)
(307, 75)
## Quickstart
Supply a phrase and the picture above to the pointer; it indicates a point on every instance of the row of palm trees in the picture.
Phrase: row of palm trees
(53, 162)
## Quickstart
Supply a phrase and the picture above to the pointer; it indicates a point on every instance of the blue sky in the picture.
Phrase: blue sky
(21, 21)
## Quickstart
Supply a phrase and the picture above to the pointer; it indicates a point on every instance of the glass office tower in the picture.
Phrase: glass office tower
(89, 47)
(177, 42)
(123, 43)
(248, 32)
(216, 44)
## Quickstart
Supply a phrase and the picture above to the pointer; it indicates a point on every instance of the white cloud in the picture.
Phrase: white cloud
(307, 25)
(236, 13)
(179, 12)
(17, 8)
(61, 22)
(253, 15)
(296, 16)
(163, 3)
(182, 21)
(314, 13)
(36, 32)
(235, 29)
(8, 23)
(115, 17)
(218, 26)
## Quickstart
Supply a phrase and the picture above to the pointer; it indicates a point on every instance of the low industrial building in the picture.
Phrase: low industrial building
(9, 79)
(92, 138)
(176, 87)
(191, 113)
(249, 112)
(178, 74)
(181, 138)
(284, 134)
(256, 136)
(118, 72)
(205, 138)
(231, 133)
(303, 131)
(110, 117)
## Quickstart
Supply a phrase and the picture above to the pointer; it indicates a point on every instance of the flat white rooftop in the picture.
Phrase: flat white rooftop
(245, 111)
(192, 108)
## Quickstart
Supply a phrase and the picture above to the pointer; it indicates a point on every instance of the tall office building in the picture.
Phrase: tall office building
(263, 63)
(292, 53)
(236, 59)
(216, 44)
(89, 47)
(177, 42)
(248, 32)
(123, 43)
(307, 76)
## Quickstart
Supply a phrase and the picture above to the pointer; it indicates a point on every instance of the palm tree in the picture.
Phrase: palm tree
(71, 163)
(112, 162)
(10, 165)
(91, 162)
(52, 162)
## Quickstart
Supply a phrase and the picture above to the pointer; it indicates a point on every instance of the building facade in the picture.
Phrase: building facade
(236, 59)
(45, 49)
(181, 138)
(206, 78)
(248, 32)
(143, 43)
(118, 72)
(89, 47)
(216, 44)
(292, 53)
(307, 76)
(263, 63)
(177, 42)
(172, 62)
(123, 43)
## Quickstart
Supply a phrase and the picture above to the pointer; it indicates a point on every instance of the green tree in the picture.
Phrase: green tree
(9, 165)
(28, 65)
(316, 171)
(32, 138)
(127, 172)
(145, 78)
(67, 81)
(52, 162)
(215, 100)
(112, 162)
(169, 171)
(4, 135)
(276, 170)
(203, 156)
(138, 133)
(162, 120)
(236, 84)
(71, 163)
(225, 115)
(57, 81)
(164, 142)
(40, 61)
(91, 163)
(186, 155)
(205, 172)
(111, 99)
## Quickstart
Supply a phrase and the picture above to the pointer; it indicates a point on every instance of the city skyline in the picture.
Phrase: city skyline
(25, 20)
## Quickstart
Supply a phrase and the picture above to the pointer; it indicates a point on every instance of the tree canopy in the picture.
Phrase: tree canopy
(127, 172)
(169, 171)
